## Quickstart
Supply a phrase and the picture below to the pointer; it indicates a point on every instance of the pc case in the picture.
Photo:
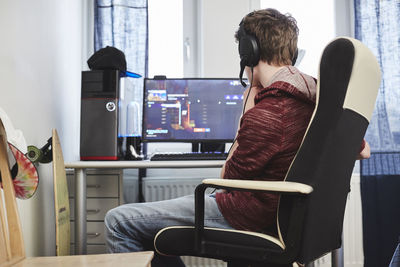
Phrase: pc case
(99, 115)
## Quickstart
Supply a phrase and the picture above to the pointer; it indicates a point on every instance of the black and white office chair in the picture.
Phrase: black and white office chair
(314, 192)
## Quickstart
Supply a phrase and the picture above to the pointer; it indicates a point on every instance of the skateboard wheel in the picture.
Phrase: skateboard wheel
(34, 154)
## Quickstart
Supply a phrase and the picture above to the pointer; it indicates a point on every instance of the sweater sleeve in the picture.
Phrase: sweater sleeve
(259, 139)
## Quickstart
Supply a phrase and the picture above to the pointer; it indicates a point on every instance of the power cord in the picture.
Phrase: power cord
(244, 107)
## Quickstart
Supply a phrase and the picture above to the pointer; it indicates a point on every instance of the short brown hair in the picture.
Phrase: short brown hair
(276, 34)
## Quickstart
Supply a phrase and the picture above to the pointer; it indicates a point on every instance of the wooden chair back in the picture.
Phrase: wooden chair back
(12, 247)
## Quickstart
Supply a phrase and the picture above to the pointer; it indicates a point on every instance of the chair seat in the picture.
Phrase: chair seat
(103, 260)
(243, 242)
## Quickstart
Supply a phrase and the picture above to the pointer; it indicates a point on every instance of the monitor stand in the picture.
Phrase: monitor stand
(208, 147)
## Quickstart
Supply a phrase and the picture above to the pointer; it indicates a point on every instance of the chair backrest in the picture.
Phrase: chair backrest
(12, 247)
(348, 83)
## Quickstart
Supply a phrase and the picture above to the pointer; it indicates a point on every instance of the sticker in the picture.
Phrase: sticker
(110, 106)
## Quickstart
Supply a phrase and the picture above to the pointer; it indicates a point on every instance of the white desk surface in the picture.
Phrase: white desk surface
(137, 164)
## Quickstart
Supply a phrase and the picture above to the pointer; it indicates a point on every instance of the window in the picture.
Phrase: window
(165, 38)
(316, 29)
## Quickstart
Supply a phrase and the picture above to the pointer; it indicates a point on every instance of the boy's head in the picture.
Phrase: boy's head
(276, 35)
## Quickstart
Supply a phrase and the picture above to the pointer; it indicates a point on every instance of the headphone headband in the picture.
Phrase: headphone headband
(249, 50)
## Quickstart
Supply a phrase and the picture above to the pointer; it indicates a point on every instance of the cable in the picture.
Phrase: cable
(244, 107)
(251, 87)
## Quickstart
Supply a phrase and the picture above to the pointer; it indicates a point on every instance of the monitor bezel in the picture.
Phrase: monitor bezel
(181, 140)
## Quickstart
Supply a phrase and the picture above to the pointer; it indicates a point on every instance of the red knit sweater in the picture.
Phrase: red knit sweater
(269, 136)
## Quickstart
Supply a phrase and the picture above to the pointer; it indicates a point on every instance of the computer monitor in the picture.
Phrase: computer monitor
(191, 110)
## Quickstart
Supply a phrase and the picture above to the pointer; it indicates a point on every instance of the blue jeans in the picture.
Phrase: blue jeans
(132, 227)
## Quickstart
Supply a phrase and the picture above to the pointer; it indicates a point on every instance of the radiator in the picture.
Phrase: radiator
(166, 188)
(162, 188)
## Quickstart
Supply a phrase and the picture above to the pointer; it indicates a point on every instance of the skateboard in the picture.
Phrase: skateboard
(61, 199)
(25, 177)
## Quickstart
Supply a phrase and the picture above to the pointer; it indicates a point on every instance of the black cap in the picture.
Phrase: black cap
(110, 58)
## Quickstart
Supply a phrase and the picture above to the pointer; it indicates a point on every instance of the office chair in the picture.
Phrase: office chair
(314, 191)
(12, 250)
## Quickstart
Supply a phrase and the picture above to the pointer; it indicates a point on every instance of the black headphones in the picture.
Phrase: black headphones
(248, 48)
(249, 51)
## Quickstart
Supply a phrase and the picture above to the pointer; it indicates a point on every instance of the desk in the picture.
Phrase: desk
(141, 259)
(80, 168)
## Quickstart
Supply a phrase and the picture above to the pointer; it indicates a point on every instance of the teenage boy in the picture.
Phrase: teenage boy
(276, 114)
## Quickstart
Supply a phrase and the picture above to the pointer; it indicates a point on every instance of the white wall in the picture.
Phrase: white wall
(40, 64)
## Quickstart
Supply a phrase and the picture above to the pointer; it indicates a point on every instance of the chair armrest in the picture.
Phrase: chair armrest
(272, 186)
(245, 185)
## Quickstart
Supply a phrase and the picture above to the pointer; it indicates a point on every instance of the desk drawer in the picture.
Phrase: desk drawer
(96, 208)
(95, 233)
(91, 249)
(98, 185)
(96, 249)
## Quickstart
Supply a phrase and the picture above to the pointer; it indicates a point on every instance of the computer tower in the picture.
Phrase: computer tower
(99, 115)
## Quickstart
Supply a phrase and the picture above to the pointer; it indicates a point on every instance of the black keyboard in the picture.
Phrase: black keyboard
(189, 156)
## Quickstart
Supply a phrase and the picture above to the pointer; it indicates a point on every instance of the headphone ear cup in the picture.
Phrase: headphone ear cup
(249, 51)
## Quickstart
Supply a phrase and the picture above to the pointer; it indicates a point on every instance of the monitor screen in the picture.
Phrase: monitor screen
(191, 110)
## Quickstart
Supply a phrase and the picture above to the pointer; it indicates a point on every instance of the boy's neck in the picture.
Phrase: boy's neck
(267, 71)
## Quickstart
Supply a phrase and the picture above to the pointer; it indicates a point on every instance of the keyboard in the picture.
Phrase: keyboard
(188, 156)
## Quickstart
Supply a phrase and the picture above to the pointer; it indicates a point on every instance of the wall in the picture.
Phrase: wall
(40, 64)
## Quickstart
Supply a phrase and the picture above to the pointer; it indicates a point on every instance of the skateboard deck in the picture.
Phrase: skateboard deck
(62, 211)
(15, 247)
(24, 175)
(27, 178)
